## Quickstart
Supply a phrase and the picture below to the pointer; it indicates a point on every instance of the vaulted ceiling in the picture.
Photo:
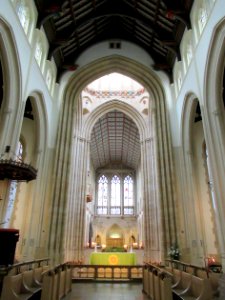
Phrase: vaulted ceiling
(72, 26)
(115, 142)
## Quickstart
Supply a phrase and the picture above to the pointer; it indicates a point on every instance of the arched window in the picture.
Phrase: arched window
(128, 195)
(189, 53)
(179, 80)
(24, 16)
(202, 18)
(49, 79)
(19, 151)
(115, 207)
(115, 195)
(38, 52)
(102, 205)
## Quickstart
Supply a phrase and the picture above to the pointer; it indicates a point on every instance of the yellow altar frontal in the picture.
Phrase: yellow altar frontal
(113, 258)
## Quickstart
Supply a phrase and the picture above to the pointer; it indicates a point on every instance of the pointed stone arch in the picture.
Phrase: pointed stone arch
(40, 113)
(188, 221)
(30, 198)
(12, 83)
(114, 105)
(72, 150)
(214, 124)
(198, 216)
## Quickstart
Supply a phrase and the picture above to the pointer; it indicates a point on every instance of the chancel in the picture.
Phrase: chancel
(112, 142)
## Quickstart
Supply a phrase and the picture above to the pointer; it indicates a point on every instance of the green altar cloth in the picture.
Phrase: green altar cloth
(113, 258)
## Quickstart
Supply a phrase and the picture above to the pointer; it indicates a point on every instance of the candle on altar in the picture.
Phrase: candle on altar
(95, 246)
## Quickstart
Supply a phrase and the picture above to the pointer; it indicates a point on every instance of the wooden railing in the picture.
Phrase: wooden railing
(22, 278)
(21, 266)
(106, 272)
(198, 271)
(190, 268)
(27, 265)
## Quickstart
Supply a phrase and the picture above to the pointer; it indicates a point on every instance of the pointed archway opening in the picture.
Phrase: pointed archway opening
(114, 181)
(148, 111)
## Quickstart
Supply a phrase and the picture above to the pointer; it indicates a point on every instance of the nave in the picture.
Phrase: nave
(106, 290)
(133, 165)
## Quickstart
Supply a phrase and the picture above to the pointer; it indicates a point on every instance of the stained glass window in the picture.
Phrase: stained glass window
(102, 195)
(115, 196)
(128, 196)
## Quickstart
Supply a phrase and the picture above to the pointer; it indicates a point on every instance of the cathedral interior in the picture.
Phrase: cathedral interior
(112, 129)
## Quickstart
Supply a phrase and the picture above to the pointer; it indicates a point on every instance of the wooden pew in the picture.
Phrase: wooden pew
(183, 284)
(61, 283)
(29, 282)
(165, 283)
(68, 284)
(65, 281)
(176, 279)
(157, 283)
(200, 289)
(57, 282)
(38, 274)
(156, 286)
(13, 288)
(151, 285)
(50, 285)
(213, 278)
(145, 281)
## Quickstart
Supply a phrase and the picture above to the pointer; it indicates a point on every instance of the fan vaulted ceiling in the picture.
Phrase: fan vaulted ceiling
(72, 26)
(115, 141)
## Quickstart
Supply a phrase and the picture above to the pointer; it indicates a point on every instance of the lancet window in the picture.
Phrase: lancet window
(115, 195)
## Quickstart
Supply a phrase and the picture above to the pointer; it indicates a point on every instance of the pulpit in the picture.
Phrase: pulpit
(8, 239)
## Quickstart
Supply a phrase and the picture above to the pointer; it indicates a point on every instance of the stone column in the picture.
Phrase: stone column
(151, 202)
(215, 141)
(75, 217)
(159, 204)
(61, 179)
(189, 199)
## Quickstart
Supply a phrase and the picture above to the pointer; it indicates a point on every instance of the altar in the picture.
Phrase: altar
(113, 258)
